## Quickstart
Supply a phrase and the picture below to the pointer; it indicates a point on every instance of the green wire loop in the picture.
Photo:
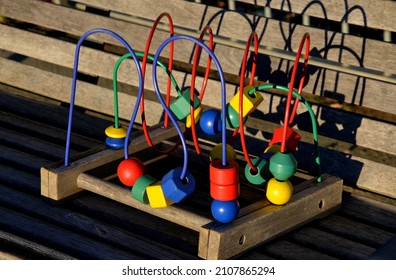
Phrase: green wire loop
(115, 84)
(313, 120)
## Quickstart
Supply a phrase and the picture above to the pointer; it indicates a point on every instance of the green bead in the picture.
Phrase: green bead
(181, 105)
(283, 165)
(232, 118)
(139, 188)
(262, 175)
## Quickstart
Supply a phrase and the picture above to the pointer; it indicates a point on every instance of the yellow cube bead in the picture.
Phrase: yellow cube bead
(250, 101)
(197, 115)
(156, 196)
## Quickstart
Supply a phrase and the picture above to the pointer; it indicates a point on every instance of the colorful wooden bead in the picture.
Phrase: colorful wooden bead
(279, 192)
(262, 174)
(225, 211)
(177, 189)
(250, 101)
(129, 170)
(224, 180)
(139, 188)
(217, 151)
(232, 117)
(115, 137)
(210, 122)
(283, 165)
(273, 149)
(197, 115)
(156, 196)
(181, 105)
(115, 143)
(113, 132)
(292, 138)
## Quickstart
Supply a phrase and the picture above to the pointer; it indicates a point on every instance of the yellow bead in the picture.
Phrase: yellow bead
(156, 196)
(216, 152)
(273, 149)
(279, 192)
(250, 101)
(197, 115)
(113, 132)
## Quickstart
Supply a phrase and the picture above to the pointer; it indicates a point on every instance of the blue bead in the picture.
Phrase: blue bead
(176, 189)
(225, 211)
(115, 143)
(210, 122)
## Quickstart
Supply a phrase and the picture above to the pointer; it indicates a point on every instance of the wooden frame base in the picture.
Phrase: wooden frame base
(256, 223)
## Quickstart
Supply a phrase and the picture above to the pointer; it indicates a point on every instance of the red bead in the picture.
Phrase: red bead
(292, 138)
(129, 170)
(224, 180)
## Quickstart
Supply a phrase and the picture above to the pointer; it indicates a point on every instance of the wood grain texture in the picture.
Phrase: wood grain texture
(220, 241)
(60, 181)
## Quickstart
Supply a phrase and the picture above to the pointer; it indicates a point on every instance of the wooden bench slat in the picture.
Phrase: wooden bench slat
(361, 13)
(284, 249)
(27, 249)
(85, 225)
(356, 231)
(331, 244)
(76, 245)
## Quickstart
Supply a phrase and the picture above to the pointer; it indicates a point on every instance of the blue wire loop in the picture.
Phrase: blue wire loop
(169, 112)
(74, 82)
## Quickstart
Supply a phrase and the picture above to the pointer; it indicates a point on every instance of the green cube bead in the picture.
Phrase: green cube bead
(181, 105)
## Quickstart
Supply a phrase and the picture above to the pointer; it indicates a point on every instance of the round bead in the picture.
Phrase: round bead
(224, 180)
(262, 175)
(115, 143)
(113, 132)
(197, 115)
(232, 118)
(139, 188)
(176, 189)
(210, 122)
(283, 165)
(279, 192)
(217, 151)
(225, 211)
(129, 170)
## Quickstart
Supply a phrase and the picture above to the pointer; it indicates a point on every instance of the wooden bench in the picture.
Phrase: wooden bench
(356, 126)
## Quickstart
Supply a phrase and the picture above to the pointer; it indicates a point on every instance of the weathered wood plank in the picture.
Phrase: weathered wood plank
(60, 181)
(77, 245)
(121, 194)
(21, 248)
(370, 212)
(221, 241)
(355, 231)
(111, 235)
(359, 12)
(284, 249)
(146, 225)
(331, 244)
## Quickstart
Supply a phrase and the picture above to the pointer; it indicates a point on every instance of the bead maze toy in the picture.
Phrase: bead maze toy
(226, 228)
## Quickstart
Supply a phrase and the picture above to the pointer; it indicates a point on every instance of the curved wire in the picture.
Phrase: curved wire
(311, 114)
(290, 117)
(115, 78)
(172, 117)
(208, 30)
(252, 36)
(170, 66)
(74, 83)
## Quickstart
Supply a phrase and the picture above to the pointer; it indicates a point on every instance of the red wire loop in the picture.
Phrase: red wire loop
(207, 30)
(170, 66)
(289, 118)
(253, 36)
